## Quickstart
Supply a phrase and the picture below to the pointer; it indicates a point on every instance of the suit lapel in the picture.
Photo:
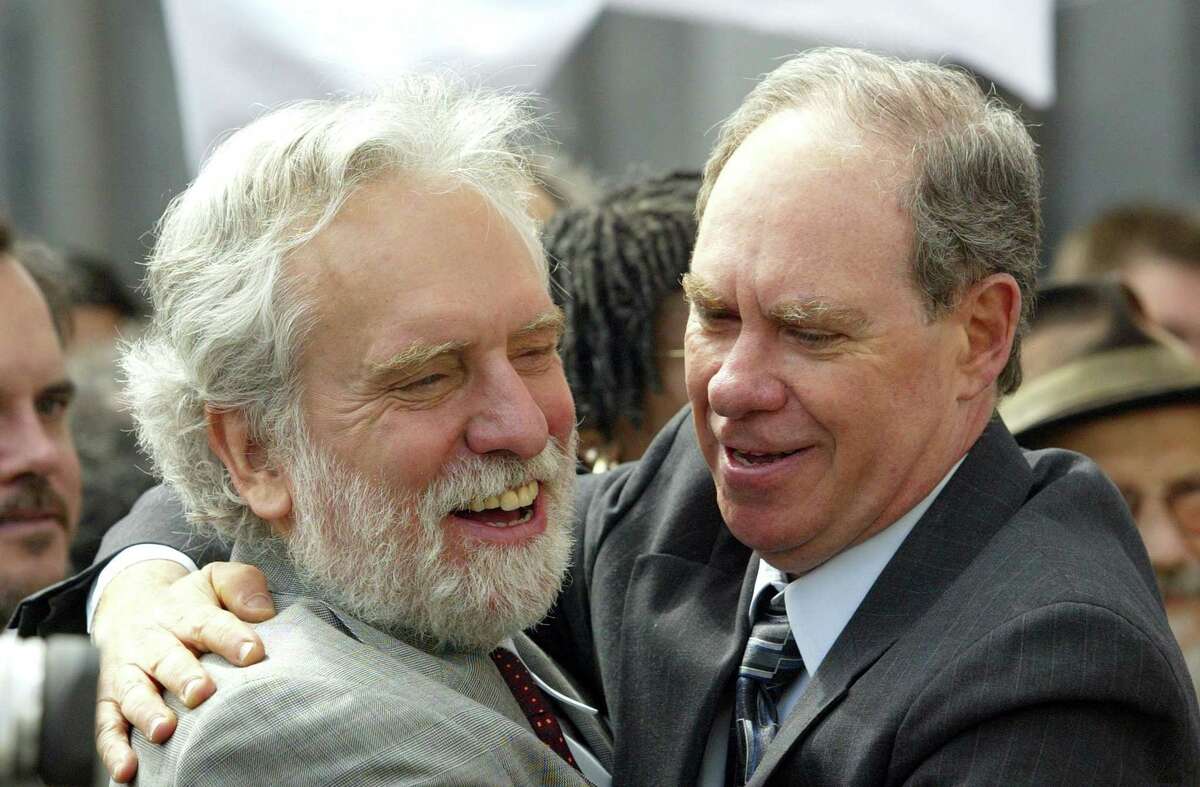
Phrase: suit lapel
(683, 633)
(984, 493)
(590, 725)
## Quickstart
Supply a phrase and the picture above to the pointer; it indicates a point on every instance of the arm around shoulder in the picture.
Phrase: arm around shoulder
(157, 518)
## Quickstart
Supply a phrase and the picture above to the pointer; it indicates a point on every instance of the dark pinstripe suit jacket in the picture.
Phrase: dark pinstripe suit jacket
(1016, 637)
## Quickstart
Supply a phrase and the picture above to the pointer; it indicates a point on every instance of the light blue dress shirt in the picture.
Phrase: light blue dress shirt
(819, 605)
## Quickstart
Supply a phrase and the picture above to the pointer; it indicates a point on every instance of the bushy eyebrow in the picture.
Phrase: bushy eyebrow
(805, 312)
(412, 358)
(418, 354)
(553, 319)
(700, 294)
(818, 312)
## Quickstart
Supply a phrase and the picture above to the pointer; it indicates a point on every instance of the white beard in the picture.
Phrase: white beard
(383, 557)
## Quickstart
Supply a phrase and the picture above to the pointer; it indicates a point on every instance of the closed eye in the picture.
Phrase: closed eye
(535, 359)
(425, 382)
(713, 317)
(813, 337)
(427, 390)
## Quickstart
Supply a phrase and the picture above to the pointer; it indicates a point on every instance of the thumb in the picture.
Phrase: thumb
(242, 589)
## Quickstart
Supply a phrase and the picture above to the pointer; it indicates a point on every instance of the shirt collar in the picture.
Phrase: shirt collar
(821, 602)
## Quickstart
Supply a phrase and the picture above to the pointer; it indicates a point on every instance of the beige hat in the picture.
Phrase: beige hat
(1090, 351)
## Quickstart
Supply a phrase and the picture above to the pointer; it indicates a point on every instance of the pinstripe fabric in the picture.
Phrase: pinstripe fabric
(340, 703)
(1015, 638)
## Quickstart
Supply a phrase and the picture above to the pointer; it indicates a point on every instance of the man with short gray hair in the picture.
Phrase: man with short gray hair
(846, 571)
(838, 567)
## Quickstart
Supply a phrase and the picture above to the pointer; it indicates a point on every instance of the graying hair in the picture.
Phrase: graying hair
(974, 189)
(229, 324)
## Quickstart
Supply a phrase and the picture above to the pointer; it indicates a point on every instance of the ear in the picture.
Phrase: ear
(264, 487)
(988, 313)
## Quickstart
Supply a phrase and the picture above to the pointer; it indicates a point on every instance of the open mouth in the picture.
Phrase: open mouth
(513, 506)
(754, 459)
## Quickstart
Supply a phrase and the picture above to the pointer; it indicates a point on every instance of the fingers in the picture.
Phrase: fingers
(127, 694)
(242, 590)
(176, 668)
(112, 741)
(139, 702)
(211, 630)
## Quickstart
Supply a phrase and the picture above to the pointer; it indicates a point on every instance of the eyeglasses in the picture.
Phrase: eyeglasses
(1181, 498)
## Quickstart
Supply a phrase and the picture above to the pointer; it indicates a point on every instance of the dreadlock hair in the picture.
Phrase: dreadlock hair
(613, 263)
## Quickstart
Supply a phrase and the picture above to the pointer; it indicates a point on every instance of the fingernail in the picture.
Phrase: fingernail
(191, 689)
(259, 601)
(156, 726)
(244, 651)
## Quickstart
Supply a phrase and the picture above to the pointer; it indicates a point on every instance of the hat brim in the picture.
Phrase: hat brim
(1100, 384)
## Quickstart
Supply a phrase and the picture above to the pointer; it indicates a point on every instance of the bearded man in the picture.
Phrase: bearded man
(352, 373)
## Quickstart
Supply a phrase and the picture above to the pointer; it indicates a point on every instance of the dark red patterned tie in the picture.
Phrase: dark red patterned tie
(533, 703)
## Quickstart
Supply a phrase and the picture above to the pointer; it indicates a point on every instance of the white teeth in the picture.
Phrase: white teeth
(508, 500)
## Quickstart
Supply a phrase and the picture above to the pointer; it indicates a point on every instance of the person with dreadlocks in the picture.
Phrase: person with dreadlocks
(619, 264)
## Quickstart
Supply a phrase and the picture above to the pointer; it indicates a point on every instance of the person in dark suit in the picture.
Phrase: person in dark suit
(837, 567)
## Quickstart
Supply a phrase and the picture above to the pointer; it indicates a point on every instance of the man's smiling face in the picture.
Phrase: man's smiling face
(820, 387)
(432, 382)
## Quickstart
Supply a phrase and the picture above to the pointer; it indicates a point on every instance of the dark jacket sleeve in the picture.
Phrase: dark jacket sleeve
(156, 518)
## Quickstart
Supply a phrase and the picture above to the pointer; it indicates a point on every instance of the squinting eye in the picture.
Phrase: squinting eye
(813, 338)
(535, 358)
(423, 384)
(711, 318)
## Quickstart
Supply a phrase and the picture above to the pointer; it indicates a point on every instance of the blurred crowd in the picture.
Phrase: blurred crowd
(1110, 367)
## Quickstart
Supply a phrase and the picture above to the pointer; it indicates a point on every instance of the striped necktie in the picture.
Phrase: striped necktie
(770, 663)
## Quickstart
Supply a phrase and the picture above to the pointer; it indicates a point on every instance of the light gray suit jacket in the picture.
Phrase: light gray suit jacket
(339, 702)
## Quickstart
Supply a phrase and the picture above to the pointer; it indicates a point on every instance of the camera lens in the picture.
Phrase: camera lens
(47, 708)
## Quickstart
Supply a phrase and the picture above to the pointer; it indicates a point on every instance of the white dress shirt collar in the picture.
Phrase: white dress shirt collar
(821, 602)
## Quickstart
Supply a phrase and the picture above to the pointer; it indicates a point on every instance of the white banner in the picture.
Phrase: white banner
(1011, 41)
(235, 57)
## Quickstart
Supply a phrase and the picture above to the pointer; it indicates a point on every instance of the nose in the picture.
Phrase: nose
(746, 382)
(26, 446)
(1164, 541)
(509, 417)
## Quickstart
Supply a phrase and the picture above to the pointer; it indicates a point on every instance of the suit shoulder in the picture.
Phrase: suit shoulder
(1049, 686)
(671, 472)
(319, 712)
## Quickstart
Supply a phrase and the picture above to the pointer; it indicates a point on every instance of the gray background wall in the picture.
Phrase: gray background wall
(90, 147)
